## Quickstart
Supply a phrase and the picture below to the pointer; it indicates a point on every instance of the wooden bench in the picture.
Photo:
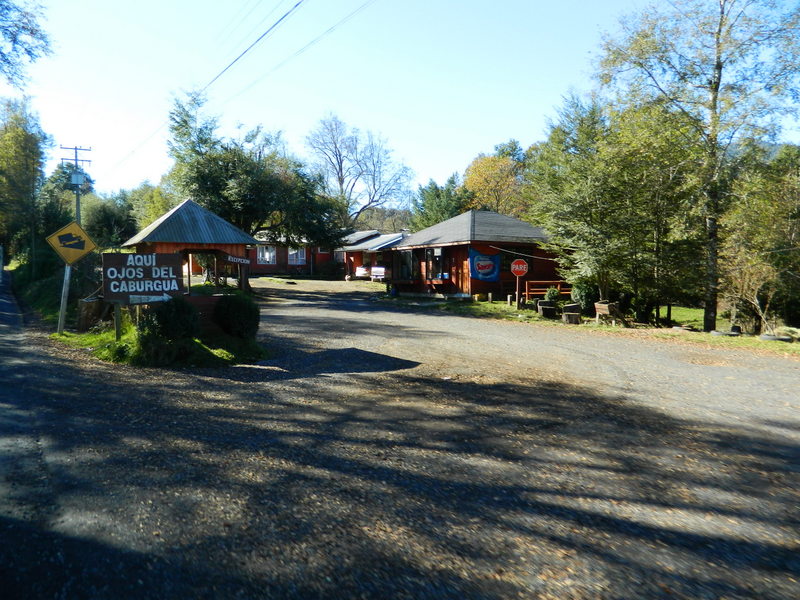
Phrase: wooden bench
(539, 288)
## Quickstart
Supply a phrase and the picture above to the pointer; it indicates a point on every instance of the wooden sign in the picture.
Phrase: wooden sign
(142, 278)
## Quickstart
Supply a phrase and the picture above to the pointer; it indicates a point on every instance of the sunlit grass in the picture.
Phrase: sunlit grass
(208, 350)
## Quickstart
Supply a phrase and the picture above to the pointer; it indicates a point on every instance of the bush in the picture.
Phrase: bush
(586, 295)
(552, 294)
(237, 315)
(173, 320)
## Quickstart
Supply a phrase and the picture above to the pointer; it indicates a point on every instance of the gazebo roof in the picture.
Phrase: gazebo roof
(190, 223)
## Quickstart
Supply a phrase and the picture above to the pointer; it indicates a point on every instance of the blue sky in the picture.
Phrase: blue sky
(441, 80)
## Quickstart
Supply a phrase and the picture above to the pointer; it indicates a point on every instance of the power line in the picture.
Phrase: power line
(254, 29)
(303, 49)
(275, 68)
(251, 46)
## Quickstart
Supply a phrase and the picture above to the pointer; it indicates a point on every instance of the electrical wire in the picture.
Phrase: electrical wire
(251, 46)
(257, 26)
(317, 39)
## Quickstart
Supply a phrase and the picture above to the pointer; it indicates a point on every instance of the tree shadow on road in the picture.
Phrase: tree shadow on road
(398, 487)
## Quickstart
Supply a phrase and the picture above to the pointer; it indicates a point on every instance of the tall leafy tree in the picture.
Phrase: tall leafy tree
(358, 169)
(22, 153)
(730, 67)
(612, 189)
(22, 39)
(761, 252)
(149, 202)
(249, 181)
(494, 183)
(570, 193)
(109, 221)
(434, 203)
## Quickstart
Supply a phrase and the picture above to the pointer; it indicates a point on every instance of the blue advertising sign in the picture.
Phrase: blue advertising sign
(485, 267)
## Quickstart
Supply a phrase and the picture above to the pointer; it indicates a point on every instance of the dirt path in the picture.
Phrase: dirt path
(390, 454)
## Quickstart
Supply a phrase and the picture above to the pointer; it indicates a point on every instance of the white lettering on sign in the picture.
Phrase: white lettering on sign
(143, 260)
(148, 285)
(162, 273)
(141, 278)
(124, 273)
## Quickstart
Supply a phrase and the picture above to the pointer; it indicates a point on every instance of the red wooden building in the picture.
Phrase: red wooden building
(268, 258)
(191, 230)
(470, 254)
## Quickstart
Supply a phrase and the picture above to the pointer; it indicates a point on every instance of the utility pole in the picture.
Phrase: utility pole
(77, 177)
(77, 181)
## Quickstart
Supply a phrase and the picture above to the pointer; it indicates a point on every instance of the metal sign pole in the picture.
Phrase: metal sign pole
(62, 313)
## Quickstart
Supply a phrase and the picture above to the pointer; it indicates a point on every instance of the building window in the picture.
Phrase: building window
(266, 255)
(297, 256)
(433, 262)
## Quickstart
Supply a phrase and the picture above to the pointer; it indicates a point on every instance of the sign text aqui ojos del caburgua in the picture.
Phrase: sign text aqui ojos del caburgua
(142, 278)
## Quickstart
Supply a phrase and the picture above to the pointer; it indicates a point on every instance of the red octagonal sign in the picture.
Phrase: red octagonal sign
(519, 267)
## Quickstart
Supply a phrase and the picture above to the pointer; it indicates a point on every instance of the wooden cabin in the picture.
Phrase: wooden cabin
(470, 254)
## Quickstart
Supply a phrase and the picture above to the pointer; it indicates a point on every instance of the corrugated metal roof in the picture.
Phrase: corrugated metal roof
(190, 223)
(476, 226)
(374, 244)
(359, 236)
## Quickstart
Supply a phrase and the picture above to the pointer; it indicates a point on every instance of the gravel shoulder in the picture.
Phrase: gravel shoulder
(386, 453)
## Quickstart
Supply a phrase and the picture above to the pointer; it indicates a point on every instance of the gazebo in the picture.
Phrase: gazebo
(191, 229)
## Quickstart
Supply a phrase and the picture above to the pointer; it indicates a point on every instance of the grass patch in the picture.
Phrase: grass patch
(481, 310)
(208, 350)
(723, 341)
(685, 316)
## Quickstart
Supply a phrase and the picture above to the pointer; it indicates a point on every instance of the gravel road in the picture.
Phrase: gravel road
(391, 453)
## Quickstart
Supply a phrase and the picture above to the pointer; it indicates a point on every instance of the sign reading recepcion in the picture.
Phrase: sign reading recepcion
(142, 278)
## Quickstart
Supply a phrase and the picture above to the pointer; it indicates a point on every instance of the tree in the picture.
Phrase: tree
(358, 169)
(110, 221)
(761, 252)
(730, 67)
(612, 189)
(435, 203)
(248, 181)
(149, 202)
(22, 153)
(494, 184)
(388, 220)
(570, 194)
(22, 40)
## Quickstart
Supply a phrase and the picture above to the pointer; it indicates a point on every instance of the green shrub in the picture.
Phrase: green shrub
(237, 315)
(552, 294)
(173, 320)
(586, 295)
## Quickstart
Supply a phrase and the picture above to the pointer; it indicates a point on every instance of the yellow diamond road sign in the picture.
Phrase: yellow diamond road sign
(72, 243)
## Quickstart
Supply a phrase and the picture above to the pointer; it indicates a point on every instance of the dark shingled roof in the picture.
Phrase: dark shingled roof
(376, 243)
(475, 226)
(190, 223)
